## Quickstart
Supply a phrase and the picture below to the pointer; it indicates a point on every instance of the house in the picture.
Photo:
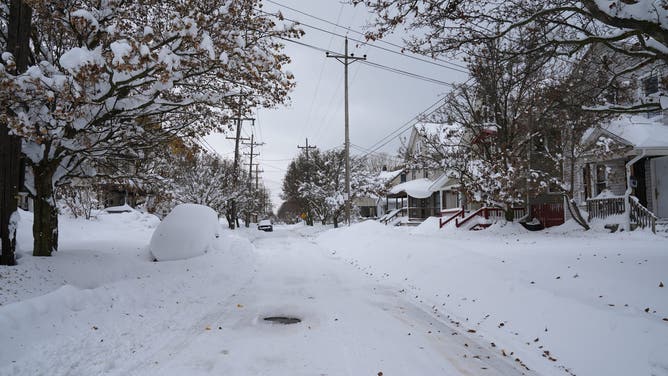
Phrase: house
(624, 171)
(385, 202)
(425, 190)
(628, 159)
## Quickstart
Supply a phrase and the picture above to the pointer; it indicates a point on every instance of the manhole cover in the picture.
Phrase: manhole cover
(283, 320)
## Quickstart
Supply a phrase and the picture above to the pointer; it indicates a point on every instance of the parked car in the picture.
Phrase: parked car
(265, 225)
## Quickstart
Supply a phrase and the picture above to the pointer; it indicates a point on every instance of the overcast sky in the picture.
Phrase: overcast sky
(380, 101)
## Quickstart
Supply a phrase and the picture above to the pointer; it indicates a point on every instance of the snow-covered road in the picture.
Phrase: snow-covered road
(371, 299)
(102, 307)
(351, 325)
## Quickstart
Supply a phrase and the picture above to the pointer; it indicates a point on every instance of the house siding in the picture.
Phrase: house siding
(616, 179)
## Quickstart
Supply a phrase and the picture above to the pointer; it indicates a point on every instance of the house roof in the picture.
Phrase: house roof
(418, 188)
(639, 131)
(387, 176)
(423, 188)
(444, 132)
(443, 182)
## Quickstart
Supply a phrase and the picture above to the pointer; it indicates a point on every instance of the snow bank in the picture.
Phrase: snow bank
(594, 301)
(187, 231)
(99, 306)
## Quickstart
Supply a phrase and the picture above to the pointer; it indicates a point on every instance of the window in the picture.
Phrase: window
(426, 174)
(586, 181)
(601, 178)
(650, 84)
(402, 177)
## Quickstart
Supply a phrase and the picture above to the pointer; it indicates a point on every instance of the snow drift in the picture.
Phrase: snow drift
(187, 231)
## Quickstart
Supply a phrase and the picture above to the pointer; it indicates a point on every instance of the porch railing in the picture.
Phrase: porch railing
(491, 213)
(395, 213)
(448, 215)
(641, 215)
(605, 207)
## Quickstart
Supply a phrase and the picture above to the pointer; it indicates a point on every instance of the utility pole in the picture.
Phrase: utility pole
(257, 175)
(18, 37)
(306, 148)
(309, 216)
(252, 144)
(234, 221)
(346, 60)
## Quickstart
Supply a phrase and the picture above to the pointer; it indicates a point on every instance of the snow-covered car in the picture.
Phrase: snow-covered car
(189, 230)
(265, 225)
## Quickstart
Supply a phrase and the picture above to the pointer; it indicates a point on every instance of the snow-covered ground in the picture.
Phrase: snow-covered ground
(562, 301)
(371, 298)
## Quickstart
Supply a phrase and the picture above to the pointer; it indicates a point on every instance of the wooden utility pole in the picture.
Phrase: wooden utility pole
(309, 216)
(306, 148)
(252, 144)
(18, 36)
(257, 176)
(234, 220)
(346, 60)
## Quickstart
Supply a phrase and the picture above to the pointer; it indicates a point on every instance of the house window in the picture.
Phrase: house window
(426, 174)
(650, 84)
(413, 175)
(402, 177)
(601, 178)
(586, 181)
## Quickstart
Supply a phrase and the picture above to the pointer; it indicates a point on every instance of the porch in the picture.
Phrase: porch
(630, 210)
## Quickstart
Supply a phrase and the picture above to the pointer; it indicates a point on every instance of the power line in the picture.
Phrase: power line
(380, 66)
(365, 42)
(403, 128)
(317, 86)
(407, 73)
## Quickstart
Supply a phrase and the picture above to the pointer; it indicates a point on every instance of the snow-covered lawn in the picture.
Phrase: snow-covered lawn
(371, 298)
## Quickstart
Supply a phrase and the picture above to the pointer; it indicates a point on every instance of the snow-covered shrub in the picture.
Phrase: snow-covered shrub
(186, 232)
(78, 200)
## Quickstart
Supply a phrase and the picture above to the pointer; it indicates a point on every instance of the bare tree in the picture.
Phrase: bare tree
(631, 28)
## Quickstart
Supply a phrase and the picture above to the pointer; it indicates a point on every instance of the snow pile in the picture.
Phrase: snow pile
(187, 231)
(100, 306)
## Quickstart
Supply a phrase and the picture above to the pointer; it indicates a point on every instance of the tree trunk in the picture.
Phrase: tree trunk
(10, 151)
(45, 226)
(230, 220)
(575, 212)
(18, 35)
(509, 213)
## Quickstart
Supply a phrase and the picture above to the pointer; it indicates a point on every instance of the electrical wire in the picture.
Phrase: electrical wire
(377, 65)
(403, 128)
(317, 86)
(362, 34)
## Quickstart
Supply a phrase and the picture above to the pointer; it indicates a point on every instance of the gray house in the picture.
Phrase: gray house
(628, 158)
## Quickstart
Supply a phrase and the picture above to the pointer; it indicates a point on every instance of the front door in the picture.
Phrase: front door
(661, 187)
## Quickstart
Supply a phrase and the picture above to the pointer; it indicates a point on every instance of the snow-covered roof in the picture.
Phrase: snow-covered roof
(442, 130)
(418, 188)
(443, 182)
(639, 131)
(125, 208)
(387, 176)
